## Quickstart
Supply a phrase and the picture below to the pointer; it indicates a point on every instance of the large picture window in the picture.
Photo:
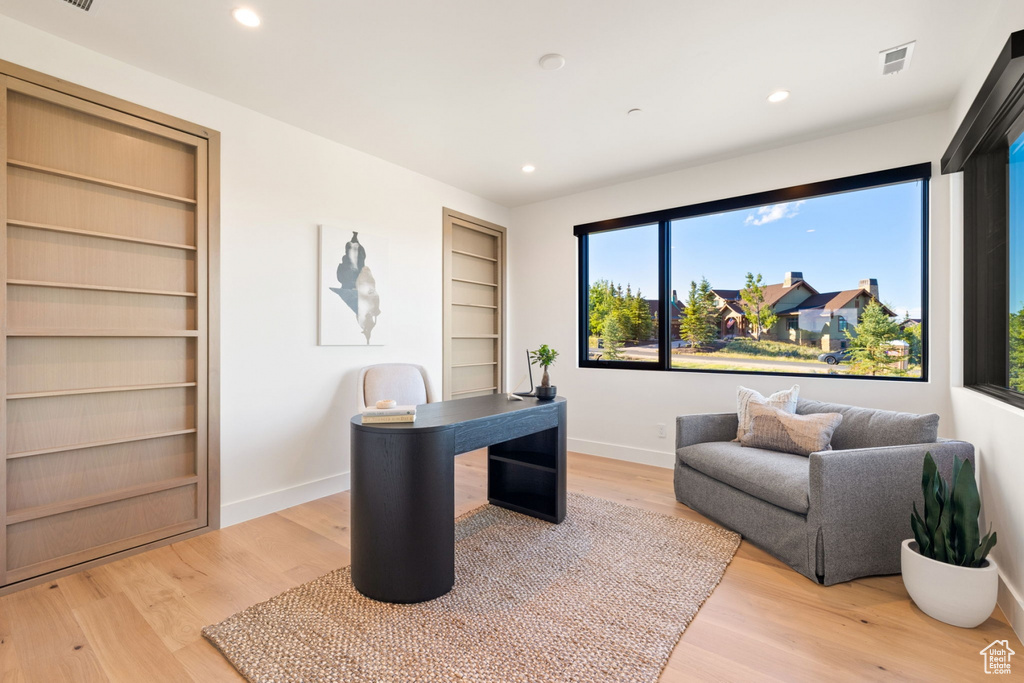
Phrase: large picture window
(821, 279)
(989, 149)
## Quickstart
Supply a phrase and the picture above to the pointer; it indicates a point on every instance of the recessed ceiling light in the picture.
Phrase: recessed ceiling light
(778, 96)
(246, 17)
(552, 62)
(529, 168)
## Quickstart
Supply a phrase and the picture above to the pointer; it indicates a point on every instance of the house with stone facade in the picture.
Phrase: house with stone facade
(805, 315)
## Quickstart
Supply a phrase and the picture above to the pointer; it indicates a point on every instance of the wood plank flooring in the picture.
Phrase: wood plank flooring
(139, 619)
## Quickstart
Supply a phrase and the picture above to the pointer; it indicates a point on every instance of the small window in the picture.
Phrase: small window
(622, 300)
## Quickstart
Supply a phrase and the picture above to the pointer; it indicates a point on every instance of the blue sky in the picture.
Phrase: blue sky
(836, 241)
(1017, 225)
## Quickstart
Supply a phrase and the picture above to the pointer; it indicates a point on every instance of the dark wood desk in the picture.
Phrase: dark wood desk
(403, 486)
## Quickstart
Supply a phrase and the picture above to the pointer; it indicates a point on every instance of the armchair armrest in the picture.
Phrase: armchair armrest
(704, 428)
(861, 498)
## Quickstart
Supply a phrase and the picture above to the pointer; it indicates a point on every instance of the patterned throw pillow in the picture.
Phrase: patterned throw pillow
(784, 400)
(778, 430)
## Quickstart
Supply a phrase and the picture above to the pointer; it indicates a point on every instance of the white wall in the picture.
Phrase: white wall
(285, 401)
(614, 412)
(992, 426)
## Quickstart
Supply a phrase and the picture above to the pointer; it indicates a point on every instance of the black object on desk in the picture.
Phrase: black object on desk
(403, 486)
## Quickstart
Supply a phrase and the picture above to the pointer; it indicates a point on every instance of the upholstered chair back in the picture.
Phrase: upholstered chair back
(404, 382)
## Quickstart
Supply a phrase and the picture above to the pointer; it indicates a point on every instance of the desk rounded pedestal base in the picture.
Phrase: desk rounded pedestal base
(403, 515)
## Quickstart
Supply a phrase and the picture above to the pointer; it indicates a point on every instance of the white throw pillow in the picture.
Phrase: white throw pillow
(783, 400)
(777, 430)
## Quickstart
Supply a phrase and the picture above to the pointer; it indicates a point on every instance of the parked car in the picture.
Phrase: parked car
(834, 357)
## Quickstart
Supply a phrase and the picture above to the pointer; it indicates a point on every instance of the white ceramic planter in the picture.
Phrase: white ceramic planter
(961, 596)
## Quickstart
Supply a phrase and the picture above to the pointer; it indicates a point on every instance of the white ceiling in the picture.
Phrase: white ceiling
(452, 88)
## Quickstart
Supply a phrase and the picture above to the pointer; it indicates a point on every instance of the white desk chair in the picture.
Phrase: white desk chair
(406, 383)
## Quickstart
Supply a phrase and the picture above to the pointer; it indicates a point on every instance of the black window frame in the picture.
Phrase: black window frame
(980, 149)
(864, 181)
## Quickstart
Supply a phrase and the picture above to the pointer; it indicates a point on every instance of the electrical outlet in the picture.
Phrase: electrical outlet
(661, 430)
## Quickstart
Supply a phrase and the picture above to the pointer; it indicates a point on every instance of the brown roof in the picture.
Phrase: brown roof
(772, 293)
(733, 306)
(676, 308)
(727, 294)
(829, 301)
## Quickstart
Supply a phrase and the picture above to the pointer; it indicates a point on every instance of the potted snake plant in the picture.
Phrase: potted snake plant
(545, 357)
(946, 567)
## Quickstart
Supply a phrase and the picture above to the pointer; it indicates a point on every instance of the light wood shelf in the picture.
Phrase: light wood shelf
(475, 365)
(474, 336)
(34, 332)
(99, 390)
(474, 282)
(94, 444)
(98, 288)
(98, 181)
(473, 391)
(100, 235)
(477, 306)
(28, 514)
(472, 255)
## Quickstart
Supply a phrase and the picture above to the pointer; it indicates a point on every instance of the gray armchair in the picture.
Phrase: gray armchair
(834, 516)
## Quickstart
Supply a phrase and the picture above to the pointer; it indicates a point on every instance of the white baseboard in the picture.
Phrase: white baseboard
(619, 452)
(264, 504)
(1012, 605)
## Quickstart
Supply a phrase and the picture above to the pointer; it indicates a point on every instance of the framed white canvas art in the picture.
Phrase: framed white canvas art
(353, 295)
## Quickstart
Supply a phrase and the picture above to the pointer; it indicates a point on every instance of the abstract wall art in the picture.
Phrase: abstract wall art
(354, 305)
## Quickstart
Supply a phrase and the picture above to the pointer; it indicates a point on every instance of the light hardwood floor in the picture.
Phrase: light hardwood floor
(139, 619)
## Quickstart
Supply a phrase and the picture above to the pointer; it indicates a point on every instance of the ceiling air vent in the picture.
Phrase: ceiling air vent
(82, 4)
(893, 60)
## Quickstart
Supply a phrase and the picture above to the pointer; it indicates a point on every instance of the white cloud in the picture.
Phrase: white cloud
(772, 213)
(811, 230)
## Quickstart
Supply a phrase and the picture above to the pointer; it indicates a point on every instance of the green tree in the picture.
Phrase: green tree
(600, 302)
(638, 312)
(760, 317)
(912, 335)
(698, 324)
(870, 342)
(613, 337)
(1017, 350)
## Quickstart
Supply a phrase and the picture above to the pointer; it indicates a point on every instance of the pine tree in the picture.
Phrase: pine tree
(760, 317)
(870, 339)
(613, 337)
(641, 322)
(698, 323)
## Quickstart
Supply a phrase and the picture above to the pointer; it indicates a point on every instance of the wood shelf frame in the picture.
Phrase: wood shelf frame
(98, 181)
(128, 334)
(98, 390)
(28, 514)
(475, 282)
(99, 235)
(472, 255)
(95, 444)
(473, 391)
(99, 288)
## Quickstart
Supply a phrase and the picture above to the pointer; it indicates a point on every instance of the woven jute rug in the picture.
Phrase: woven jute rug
(603, 596)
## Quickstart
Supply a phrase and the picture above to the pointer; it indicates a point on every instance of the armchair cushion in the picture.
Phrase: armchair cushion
(870, 428)
(777, 478)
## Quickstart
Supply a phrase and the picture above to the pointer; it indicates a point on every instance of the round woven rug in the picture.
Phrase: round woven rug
(603, 596)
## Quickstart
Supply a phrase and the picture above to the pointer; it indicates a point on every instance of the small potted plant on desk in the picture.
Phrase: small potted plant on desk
(544, 357)
(945, 566)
